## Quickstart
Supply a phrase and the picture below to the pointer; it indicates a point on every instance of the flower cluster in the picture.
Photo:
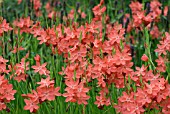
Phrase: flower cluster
(4, 26)
(23, 24)
(6, 92)
(45, 92)
(148, 17)
(6, 89)
(76, 92)
(20, 69)
(41, 69)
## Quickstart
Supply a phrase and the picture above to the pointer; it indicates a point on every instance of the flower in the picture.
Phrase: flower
(16, 49)
(48, 93)
(144, 58)
(4, 27)
(46, 82)
(41, 69)
(142, 97)
(6, 92)
(76, 92)
(31, 105)
(165, 10)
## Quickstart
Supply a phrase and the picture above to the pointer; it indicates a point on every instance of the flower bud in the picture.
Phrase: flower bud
(144, 57)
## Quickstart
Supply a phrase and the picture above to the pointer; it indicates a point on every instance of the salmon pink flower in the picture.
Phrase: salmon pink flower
(101, 101)
(120, 58)
(31, 105)
(4, 27)
(33, 96)
(144, 58)
(162, 95)
(48, 93)
(126, 98)
(24, 24)
(9, 92)
(41, 69)
(98, 10)
(2, 105)
(37, 58)
(166, 11)
(142, 97)
(155, 33)
(141, 71)
(6, 92)
(151, 89)
(135, 7)
(46, 82)
(17, 49)
(21, 67)
(161, 64)
(135, 108)
(3, 65)
(76, 92)
(83, 15)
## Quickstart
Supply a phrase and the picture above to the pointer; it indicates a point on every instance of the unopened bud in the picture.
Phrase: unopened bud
(144, 58)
